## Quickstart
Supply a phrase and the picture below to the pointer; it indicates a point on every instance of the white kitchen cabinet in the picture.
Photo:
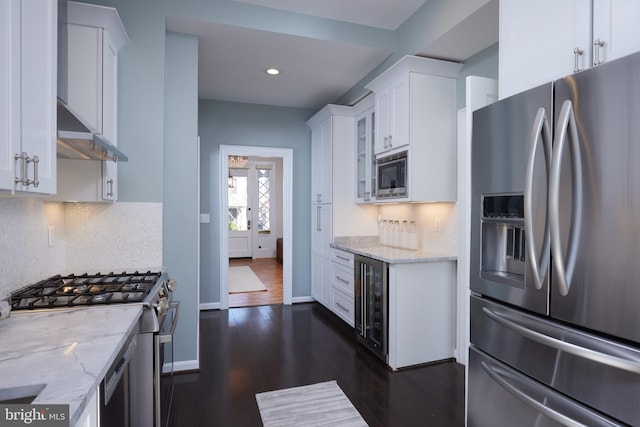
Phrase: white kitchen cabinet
(28, 53)
(615, 29)
(577, 34)
(333, 210)
(342, 286)
(421, 312)
(321, 167)
(392, 105)
(95, 34)
(321, 238)
(365, 150)
(416, 112)
(400, 100)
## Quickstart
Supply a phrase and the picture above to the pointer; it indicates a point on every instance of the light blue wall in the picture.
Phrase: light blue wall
(180, 207)
(228, 123)
(482, 64)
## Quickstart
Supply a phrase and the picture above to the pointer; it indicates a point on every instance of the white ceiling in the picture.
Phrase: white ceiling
(314, 72)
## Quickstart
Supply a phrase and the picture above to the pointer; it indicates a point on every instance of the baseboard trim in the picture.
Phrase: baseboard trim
(298, 300)
(209, 306)
(216, 305)
(185, 365)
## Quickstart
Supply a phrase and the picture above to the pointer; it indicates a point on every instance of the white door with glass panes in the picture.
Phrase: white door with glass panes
(239, 218)
(251, 211)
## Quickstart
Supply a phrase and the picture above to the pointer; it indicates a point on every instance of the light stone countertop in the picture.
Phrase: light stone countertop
(370, 247)
(69, 350)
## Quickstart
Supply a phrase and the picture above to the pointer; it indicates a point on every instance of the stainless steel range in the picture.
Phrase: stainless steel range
(134, 378)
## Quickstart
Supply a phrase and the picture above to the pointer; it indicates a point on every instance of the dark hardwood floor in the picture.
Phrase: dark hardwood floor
(244, 351)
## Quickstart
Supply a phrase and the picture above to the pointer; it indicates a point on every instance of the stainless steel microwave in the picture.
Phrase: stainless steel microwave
(392, 176)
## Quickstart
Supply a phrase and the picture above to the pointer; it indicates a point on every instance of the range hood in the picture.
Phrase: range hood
(77, 141)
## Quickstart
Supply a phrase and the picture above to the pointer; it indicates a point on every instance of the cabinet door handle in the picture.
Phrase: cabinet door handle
(390, 141)
(36, 161)
(19, 177)
(340, 279)
(318, 227)
(386, 141)
(110, 188)
(24, 165)
(577, 53)
(344, 258)
(597, 44)
(342, 307)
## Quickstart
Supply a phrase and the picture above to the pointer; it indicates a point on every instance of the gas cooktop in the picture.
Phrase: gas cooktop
(85, 289)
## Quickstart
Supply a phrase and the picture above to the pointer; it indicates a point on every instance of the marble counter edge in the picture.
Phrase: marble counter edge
(395, 255)
(64, 350)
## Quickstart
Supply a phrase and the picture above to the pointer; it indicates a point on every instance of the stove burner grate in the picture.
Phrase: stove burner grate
(84, 290)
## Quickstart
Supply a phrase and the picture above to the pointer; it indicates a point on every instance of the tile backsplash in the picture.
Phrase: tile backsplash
(25, 254)
(39, 239)
(436, 223)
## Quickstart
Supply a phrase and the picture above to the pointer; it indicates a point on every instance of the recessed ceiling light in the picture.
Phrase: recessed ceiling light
(272, 71)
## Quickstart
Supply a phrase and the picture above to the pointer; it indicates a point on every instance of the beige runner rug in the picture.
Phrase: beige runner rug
(322, 404)
(243, 279)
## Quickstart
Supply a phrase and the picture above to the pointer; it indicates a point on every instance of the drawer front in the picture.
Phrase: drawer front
(342, 278)
(342, 257)
(342, 305)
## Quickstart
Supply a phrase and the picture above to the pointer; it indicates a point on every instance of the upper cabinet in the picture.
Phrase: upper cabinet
(402, 94)
(365, 150)
(577, 34)
(28, 53)
(415, 111)
(88, 85)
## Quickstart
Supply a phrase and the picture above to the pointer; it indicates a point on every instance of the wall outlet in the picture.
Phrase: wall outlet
(205, 218)
(437, 225)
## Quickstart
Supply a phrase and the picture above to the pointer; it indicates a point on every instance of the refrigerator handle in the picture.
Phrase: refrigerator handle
(519, 390)
(598, 356)
(539, 132)
(566, 129)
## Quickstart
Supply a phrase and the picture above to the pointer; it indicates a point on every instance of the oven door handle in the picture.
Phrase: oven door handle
(166, 337)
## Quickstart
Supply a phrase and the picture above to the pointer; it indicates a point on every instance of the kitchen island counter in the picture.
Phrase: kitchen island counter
(68, 350)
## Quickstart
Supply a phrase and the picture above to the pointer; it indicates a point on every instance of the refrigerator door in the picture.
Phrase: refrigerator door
(595, 199)
(511, 152)
(600, 373)
(519, 400)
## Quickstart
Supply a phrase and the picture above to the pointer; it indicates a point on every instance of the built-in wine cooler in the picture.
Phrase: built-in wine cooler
(371, 305)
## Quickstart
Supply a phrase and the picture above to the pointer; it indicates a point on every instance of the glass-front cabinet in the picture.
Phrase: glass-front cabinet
(365, 148)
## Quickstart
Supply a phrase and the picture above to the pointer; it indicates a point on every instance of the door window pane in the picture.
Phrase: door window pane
(264, 200)
(238, 200)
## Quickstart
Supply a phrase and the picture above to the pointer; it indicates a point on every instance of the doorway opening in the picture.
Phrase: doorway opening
(256, 227)
(254, 197)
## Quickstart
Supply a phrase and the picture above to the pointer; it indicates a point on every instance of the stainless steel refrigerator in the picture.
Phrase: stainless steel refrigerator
(555, 266)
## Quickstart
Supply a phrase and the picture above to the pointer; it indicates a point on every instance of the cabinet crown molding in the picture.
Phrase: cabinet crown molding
(100, 17)
(415, 64)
